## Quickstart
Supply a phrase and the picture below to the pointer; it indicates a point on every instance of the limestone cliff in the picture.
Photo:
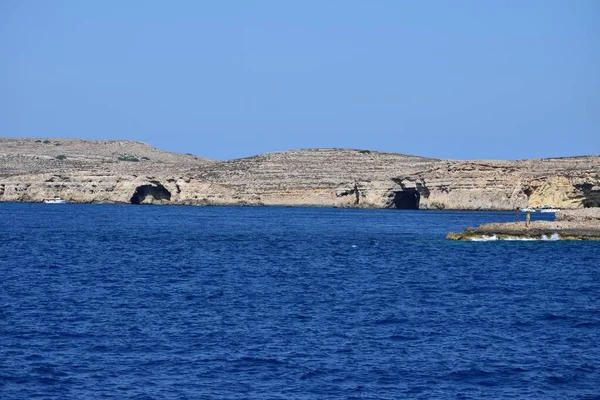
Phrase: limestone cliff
(572, 182)
(132, 172)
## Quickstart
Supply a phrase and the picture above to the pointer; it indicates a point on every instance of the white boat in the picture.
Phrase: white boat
(527, 209)
(548, 209)
(55, 200)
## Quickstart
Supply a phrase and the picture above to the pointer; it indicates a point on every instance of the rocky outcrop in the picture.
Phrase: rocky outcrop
(569, 225)
(132, 172)
(588, 215)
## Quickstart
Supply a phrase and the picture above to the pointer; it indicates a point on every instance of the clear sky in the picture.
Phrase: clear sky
(226, 79)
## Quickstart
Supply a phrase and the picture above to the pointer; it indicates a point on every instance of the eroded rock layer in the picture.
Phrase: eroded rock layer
(133, 172)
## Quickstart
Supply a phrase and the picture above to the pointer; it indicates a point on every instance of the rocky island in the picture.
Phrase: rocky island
(569, 225)
(103, 171)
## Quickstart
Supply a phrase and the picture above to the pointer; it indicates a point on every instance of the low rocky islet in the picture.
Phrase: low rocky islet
(569, 225)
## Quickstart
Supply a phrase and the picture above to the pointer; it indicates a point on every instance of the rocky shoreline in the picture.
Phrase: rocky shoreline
(569, 225)
(127, 172)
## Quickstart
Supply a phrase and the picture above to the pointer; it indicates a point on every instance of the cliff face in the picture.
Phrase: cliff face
(564, 183)
(133, 172)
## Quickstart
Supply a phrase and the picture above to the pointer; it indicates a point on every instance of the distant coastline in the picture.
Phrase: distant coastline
(128, 172)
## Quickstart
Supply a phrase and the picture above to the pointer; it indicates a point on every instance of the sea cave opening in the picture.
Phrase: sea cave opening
(591, 197)
(157, 192)
(406, 200)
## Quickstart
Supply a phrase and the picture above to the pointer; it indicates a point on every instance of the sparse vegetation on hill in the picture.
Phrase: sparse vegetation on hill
(128, 158)
(111, 171)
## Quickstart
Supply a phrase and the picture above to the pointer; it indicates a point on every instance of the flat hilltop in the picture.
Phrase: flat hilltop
(312, 166)
(19, 156)
(113, 171)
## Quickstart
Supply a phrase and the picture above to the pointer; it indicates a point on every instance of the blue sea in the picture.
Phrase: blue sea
(168, 302)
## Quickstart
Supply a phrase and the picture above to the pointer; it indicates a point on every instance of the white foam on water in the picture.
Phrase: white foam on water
(484, 238)
(554, 236)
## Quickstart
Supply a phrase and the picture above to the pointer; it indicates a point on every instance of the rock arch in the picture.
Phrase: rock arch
(155, 190)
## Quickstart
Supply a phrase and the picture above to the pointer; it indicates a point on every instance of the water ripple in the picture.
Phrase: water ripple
(183, 302)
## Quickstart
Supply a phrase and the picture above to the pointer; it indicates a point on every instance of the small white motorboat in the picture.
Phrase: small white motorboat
(55, 200)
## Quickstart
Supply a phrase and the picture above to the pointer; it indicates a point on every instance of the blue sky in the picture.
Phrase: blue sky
(227, 79)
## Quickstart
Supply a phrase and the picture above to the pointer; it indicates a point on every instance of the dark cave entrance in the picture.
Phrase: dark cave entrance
(406, 200)
(591, 197)
(157, 192)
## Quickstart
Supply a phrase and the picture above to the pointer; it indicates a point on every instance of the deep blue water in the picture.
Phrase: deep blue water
(149, 302)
